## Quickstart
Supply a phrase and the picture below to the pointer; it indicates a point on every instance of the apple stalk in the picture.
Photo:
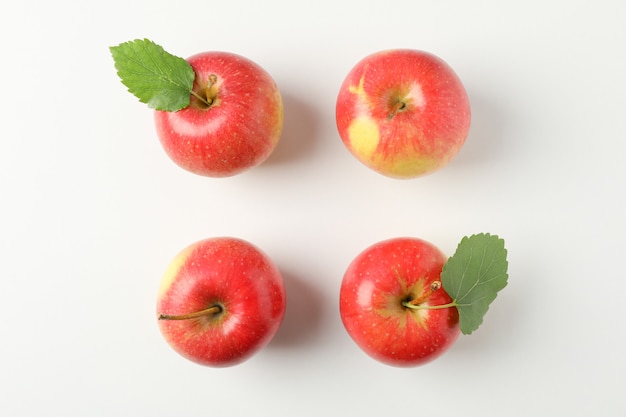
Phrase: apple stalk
(211, 311)
(398, 106)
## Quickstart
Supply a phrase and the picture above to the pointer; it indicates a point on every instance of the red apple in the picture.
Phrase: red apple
(221, 300)
(403, 113)
(375, 293)
(234, 125)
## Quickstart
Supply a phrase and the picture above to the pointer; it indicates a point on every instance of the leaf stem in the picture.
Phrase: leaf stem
(199, 97)
(209, 91)
(416, 304)
(410, 305)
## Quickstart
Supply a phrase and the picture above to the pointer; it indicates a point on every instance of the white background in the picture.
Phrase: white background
(92, 210)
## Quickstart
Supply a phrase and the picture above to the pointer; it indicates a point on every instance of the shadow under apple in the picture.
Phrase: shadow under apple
(299, 132)
(303, 314)
(486, 136)
(501, 328)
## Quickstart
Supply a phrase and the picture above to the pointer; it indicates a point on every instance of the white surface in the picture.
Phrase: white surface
(92, 210)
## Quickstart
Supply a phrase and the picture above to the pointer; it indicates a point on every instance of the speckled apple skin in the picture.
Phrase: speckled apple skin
(403, 141)
(374, 286)
(240, 129)
(235, 275)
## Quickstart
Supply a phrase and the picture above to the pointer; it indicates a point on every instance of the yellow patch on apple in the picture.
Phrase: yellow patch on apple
(407, 166)
(172, 269)
(364, 136)
(358, 89)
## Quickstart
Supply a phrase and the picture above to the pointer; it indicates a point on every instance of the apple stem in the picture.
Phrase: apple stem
(434, 286)
(202, 313)
(397, 106)
(209, 90)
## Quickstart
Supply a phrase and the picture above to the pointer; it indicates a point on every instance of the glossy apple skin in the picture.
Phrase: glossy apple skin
(238, 131)
(235, 275)
(374, 286)
(403, 113)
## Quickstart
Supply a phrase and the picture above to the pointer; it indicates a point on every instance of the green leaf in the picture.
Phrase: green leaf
(154, 76)
(473, 276)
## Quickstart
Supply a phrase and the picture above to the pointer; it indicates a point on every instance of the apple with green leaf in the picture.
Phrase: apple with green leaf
(217, 114)
(404, 304)
(220, 301)
(403, 112)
